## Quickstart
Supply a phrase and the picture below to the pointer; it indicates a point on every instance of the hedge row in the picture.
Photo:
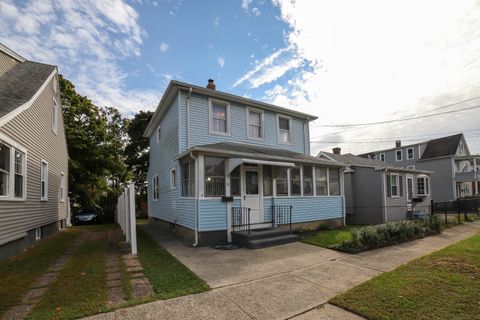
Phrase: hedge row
(390, 233)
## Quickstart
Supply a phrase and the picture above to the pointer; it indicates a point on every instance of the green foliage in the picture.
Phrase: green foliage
(137, 149)
(390, 233)
(96, 141)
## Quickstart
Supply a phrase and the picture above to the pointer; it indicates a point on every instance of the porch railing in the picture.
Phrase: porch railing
(241, 219)
(282, 215)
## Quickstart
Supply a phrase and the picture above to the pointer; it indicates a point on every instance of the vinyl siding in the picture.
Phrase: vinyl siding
(6, 63)
(443, 188)
(367, 204)
(306, 209)
(213, 215)
(199, 126)
(32, 129)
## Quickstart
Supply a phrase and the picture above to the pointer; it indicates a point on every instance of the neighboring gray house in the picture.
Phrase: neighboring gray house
(455, 169)
(376, 191)
(33, 153)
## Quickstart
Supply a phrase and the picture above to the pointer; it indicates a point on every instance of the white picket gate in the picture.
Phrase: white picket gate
(126, 216)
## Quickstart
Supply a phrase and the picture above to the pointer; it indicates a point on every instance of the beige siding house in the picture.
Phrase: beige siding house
(33, 153)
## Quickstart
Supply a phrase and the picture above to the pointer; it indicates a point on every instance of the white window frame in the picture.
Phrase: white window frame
(158, 134)
(62, 187)
(55, 83)
(262, 126)
(413, 154)
(173, 178)
(411, 167)
(14, 146)
(42, 163)
(397, 195)
(426, 182)
(210, 117)
(54, 116)
(290, 125)
(155, 187)
(382, 157)
(38, 233)
(401, 155)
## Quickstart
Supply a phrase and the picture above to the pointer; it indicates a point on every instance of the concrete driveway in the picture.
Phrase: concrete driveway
(292, 280)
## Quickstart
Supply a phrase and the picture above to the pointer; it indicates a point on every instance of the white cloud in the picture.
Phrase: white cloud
(256, 11)
(221, 61)
(164, 47)
(245, 4)
(359, 61)
(172, 13)
(87, 40)
(216, 21)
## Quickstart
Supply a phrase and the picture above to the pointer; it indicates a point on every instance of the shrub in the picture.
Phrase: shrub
(390, 233)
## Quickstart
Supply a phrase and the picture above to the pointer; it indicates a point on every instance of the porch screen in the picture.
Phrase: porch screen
(307, 181)
(321, 181)
(188, 178)
(214, 177)
(334, 181)
(282, 181)
(295, 181)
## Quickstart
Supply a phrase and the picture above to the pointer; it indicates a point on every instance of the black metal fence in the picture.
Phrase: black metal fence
(241, 217)
(458, 208)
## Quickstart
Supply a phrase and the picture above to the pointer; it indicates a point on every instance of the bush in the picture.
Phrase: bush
(390, 233)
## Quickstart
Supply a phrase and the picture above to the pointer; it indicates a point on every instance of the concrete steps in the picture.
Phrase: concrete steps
(262, 238)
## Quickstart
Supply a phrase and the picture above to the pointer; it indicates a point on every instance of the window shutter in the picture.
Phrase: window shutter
(389, 186)
(400, 178)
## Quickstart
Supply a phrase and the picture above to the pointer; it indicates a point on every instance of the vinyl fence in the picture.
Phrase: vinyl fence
(125, 216)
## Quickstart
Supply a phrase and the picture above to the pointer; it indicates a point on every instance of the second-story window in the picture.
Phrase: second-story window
(382, 156)
(399, 155)
(219, 117)
(284, 130)
(410, 154)
(255, 124)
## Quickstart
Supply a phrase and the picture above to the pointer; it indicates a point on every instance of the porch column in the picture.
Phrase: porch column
(229, 204)
(201, 176)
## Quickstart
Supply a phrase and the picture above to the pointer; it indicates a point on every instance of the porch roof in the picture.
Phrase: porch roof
(251, 151)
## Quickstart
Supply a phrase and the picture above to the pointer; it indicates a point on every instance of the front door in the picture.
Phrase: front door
(251, 194)
(409, 192)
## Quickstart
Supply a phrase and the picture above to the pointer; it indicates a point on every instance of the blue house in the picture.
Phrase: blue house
(222, 164)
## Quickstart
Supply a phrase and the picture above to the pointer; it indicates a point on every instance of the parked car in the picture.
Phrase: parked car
(88, 215)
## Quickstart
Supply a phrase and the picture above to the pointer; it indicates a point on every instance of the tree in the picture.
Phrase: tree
(96, 140)
(137, 149)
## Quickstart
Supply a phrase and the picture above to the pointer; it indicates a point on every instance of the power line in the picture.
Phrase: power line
(396, 120)
(377, 141)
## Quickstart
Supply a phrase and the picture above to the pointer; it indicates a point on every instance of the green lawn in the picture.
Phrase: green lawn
(443, 285)
(169, 277)
(19, 272)
(327, 238)
(81, 287)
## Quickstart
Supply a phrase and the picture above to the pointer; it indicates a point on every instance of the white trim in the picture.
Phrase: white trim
(409, 177)
(62, 187)
(412, 167)
(413, 153)
(262, 123)
(55, 84)
(401, 155)
(12, 114)
(290, 129)
(426, 181)
(155, 186)
(14, 146)
(42, 162)
(38, 233)
(11, 53)
(54, 115)
(210, 119)
(380, 156)
(173, 178)
(158, 135)
(397, 185)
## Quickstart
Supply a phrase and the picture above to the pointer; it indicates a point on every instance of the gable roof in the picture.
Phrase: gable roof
(257, 151)
(442, 147)
(353, 160)
(171, 93)
(20, 84)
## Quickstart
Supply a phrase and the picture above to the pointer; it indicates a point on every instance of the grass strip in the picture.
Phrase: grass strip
(18, 273)
(443, 285)
(328, 238)
(168, 276)
(80, 289)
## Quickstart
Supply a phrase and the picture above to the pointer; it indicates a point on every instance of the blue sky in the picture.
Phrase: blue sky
(345, 61)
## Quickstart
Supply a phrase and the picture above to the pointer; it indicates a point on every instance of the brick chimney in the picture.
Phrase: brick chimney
(337, 150)
(210, 84)
(398, 143)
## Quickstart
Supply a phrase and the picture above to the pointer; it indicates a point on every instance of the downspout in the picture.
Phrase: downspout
(342, 181)
(384, 198)
(188, 116)
(196, 199)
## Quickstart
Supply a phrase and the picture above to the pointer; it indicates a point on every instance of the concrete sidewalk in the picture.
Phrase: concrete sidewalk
(290, 281)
